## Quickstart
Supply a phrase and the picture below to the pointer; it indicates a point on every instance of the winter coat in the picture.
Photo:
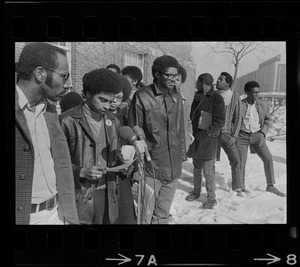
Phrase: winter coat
(82, 145)
(126, 205)
(162, 119)
(206, 141)
(25, 165)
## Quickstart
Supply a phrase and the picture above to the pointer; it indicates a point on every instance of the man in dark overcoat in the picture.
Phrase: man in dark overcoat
(208, 117)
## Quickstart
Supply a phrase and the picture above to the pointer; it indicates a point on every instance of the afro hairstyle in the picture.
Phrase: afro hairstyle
(101, 80)
(161, 64)
(70, 100)
(126, 87)
(114, 66)
(182, 72)
(134, 73)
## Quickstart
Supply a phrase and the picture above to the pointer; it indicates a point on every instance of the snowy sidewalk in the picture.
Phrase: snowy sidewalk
(258, 207)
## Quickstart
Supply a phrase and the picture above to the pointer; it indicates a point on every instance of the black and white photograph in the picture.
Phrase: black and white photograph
(150, 133)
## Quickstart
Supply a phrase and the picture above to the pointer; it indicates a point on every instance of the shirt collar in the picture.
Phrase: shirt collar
(159, 92)
(23, 101)
(248, 104)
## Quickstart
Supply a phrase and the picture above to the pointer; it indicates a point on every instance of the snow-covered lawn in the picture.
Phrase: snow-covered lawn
(256, 207)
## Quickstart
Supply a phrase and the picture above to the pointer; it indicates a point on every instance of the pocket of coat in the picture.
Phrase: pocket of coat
(85, 211)
(84, 194)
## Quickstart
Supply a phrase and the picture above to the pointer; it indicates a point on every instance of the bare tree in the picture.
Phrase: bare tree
(234, 51)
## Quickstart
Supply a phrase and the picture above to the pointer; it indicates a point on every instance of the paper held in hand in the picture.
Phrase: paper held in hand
(128, 153)
(120, 167)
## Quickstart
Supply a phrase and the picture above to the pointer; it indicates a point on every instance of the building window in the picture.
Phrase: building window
(134, 59)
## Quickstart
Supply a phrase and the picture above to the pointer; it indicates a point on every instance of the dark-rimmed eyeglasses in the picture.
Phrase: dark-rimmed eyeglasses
(65, 76)
(170, 76)
(118, 98)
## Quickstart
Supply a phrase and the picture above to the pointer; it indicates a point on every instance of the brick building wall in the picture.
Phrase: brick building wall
(86, 56)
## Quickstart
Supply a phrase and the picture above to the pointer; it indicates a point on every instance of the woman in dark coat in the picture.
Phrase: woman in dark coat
(120, 110)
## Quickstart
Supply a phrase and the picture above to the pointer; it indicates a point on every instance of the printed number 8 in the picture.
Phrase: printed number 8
(291, 259)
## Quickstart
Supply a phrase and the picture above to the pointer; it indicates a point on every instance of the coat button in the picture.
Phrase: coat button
(26, 148)
(91, 145)
(20, 208)
(22, 177)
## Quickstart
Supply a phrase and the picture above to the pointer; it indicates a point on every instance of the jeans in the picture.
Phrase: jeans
(208, 167)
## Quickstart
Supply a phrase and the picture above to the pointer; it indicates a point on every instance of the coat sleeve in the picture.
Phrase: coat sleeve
(136, 112)
(182, 137)
(76, 169)
(267, 118)
(236, 119)
(218, 115)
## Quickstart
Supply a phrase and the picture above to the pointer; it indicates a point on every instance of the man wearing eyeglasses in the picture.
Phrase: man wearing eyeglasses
(44, 176)
(158, 110)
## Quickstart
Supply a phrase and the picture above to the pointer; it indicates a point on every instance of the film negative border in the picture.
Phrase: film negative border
(175, 244)
(160, 21)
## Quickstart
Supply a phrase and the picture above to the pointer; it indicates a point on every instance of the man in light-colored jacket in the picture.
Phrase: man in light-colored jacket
(256, 120)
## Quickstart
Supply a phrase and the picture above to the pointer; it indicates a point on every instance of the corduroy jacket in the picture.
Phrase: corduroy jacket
(25, 165)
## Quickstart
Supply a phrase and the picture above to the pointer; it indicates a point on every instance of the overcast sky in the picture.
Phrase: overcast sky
(216, 63)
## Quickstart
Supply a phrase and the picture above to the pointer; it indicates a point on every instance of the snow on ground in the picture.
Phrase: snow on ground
(256, 207)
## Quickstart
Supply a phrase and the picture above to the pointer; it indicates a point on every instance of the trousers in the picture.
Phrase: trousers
(45, 217)
(258, 144)
(208, 167)
(233, 155)
(160, 203)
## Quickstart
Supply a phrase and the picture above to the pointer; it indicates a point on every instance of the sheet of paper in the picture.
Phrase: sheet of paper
(120, 167)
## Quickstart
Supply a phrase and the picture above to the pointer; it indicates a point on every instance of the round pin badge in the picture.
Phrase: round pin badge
(174, 99)
(108, 122)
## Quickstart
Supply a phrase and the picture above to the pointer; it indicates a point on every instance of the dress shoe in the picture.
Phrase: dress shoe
(209, 204)
(274, 190)
(192, 197)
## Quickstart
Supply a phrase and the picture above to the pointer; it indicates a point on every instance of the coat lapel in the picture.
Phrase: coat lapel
(79, 115)
(109, 125)
(21, 120)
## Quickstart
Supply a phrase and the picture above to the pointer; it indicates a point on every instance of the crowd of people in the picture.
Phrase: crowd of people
(69, 165)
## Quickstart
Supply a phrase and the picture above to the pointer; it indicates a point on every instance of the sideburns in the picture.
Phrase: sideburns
(49, 79)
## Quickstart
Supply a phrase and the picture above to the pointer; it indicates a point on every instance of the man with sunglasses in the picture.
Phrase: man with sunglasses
(44, 176)
(92, 134)
(158, 110)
